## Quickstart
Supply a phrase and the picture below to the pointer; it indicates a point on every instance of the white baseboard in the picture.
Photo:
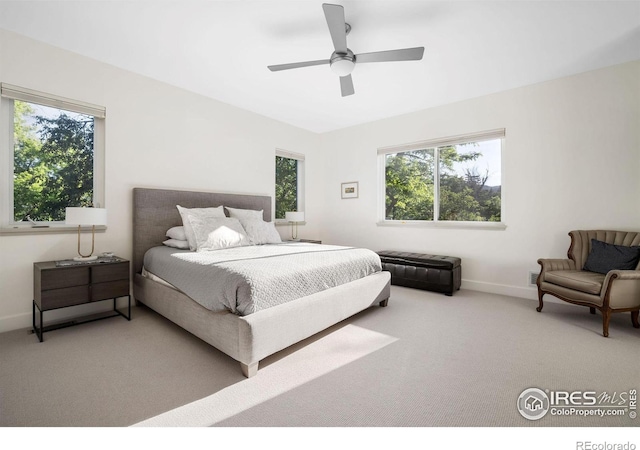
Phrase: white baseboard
(25, 320)
(16, 322)
(530, 293)
(501, 289)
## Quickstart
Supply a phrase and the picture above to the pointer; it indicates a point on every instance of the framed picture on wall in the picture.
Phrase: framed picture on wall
(350, 189)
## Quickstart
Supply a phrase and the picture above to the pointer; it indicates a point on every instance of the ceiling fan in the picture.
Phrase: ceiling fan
(343, 60)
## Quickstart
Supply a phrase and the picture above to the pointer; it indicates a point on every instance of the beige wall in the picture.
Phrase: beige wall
(571, 161)
(156, 136)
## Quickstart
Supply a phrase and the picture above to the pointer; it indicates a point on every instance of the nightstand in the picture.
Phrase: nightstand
(307, 241)
(61, 284)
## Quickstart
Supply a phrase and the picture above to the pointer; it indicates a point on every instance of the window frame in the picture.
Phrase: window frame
(434, 144)
(8, 95)
(300, 182)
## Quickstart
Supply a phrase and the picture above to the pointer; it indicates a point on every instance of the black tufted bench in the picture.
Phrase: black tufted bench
(421, 271)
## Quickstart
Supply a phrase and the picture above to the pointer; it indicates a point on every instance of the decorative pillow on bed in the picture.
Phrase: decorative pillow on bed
(261, 232)
(244, 214)
(177, 243)
(202, 213)
(176, 233)
(218, 233)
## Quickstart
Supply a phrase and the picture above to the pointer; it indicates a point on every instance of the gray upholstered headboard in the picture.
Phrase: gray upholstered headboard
(154, 212)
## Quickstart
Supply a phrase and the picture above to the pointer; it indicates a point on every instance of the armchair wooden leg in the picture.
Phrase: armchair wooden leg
(606, 315)
(592, 310)
(540, 294)
(634, 318)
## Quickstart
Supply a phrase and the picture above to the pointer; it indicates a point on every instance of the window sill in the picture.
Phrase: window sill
(443, 224)
(9, 230)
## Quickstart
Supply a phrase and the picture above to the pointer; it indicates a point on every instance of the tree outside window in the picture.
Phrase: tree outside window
(286, 186)
(53, 161)
(464, 185)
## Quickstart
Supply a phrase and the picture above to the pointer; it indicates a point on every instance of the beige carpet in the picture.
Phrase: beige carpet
(425, 360)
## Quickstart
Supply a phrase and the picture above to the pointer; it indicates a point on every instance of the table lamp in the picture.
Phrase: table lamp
(294, 217)
(86, 216)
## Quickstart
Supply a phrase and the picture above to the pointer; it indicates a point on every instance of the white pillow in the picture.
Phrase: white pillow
(177, 243)
(261, 232)
(176, 233)
(218, 233)
(203, 213)
(244, 214)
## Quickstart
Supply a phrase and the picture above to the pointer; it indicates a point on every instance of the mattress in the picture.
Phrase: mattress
(248, 279)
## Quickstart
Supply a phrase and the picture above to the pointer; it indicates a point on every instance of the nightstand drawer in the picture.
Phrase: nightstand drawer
(110, 289)
(59, 298)
(56, 279)
(110, 272)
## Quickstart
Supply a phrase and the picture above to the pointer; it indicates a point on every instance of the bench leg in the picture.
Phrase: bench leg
(384, 302)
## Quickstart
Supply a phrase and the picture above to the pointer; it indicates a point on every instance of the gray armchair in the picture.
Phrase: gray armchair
(614, 291)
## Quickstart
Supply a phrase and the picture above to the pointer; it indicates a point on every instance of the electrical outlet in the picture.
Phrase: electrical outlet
(533, 276)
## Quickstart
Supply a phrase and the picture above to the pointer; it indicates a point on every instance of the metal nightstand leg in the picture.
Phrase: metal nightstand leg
(80, 320)
(35, 329)
(128, 317)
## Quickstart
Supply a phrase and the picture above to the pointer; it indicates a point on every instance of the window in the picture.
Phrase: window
(446, 180)
(289, 183)
(52, 156)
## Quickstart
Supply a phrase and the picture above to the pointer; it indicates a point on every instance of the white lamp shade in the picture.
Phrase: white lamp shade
(86, 216)
(294, 216)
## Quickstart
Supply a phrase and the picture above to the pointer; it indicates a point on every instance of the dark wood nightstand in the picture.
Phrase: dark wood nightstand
(60, 284)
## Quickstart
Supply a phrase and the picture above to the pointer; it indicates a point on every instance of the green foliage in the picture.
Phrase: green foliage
(286, 186)
(53, 163)
(410, 187)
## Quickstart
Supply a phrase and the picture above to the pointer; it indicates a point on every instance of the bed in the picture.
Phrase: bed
(246, 338)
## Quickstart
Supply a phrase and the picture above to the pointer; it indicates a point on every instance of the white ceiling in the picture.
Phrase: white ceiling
(221, 49)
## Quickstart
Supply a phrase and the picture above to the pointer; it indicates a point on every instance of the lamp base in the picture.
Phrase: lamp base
(86, 258)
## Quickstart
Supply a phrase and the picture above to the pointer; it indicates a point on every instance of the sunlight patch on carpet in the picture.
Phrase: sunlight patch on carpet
(329, 353)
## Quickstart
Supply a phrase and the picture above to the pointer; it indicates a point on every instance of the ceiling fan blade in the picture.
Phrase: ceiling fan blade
(335, 19)
(346, 85)
(297, 65)
(405, 54)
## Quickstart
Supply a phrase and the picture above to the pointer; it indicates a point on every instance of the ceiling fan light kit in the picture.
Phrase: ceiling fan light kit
(343, 60)
(342, 64)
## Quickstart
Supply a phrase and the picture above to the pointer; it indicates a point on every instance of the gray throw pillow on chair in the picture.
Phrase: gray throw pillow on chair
(605, 257)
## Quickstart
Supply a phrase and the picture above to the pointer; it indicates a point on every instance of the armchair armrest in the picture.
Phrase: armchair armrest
(622, 275)
(621, 289)
(556, 264)
(547, 265)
